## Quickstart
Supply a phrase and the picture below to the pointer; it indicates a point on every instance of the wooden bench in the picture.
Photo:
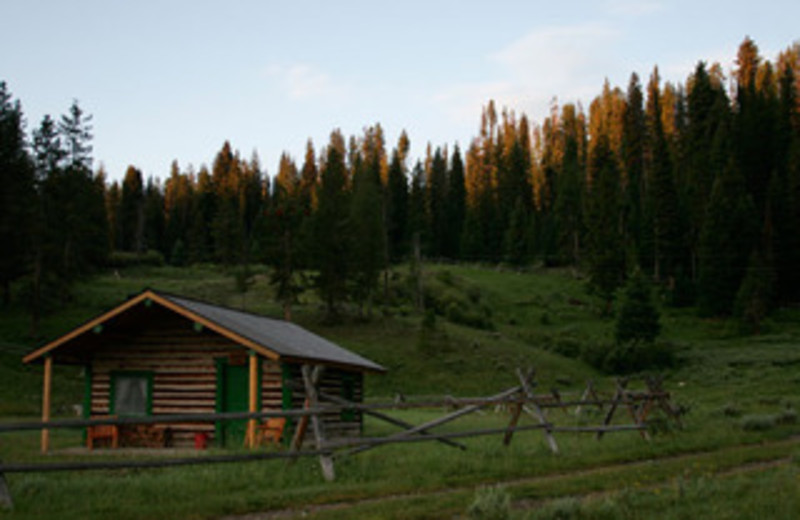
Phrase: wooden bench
(102, 432)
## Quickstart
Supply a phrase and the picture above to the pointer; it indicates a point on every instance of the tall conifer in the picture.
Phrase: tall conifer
(332, 239)
(606, 255)
(17, 196)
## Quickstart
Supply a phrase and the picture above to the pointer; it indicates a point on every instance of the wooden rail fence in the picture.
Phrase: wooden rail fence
(518, 400)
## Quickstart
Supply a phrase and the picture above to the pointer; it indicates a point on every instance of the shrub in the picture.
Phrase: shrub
(731, 410)
(635, 356)
(491, 503)
(460, 304)
(638, 318)
(628, 357)
(560, 509)
(759, 423)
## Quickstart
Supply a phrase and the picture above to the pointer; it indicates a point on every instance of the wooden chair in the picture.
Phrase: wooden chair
(270, 431)
(102, 431)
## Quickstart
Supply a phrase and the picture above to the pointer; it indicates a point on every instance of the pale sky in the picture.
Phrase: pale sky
(172, 80)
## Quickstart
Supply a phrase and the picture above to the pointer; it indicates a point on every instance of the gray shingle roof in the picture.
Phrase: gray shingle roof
(284, 338)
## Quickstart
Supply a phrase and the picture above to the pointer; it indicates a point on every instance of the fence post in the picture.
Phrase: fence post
(253, 390)
(302, 424)
(619, 396)
(325, 460)
(46, 391)
(5, 494)
(524, 380)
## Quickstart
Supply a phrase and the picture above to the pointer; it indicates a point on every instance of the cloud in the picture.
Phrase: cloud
(556, 56)
(302, 82)
(569, 61)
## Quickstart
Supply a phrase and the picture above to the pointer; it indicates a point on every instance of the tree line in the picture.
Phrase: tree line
(695, 184)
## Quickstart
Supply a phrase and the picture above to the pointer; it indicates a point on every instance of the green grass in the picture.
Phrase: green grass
(724, 380)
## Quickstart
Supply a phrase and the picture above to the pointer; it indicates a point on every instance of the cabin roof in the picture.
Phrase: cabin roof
(275, 339)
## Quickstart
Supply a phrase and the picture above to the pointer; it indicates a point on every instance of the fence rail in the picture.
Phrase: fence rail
(515, 400)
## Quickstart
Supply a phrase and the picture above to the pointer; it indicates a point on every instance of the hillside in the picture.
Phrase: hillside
(737, 450)
(506, 310)
(480, 325)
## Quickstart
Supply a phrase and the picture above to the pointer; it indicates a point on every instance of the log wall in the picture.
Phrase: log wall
(183, 363)
(335, 424)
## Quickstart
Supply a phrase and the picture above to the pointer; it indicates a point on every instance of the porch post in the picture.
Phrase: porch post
(253, 403)
(48, 383)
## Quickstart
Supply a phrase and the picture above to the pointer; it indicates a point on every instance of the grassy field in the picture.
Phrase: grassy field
(736, 457)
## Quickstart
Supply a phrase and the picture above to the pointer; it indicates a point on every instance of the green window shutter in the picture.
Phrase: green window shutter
(286, 400)
(286, 389)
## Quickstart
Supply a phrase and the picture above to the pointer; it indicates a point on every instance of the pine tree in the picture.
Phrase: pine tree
(417, 207)
(725, 242)
(45, 280)
(456, 205)
(437, 186)
(515, 240)
(76, 131)
(287, 202)
(309, 178)
(17, 196)
(154, 220)
(782, 195)
(707, 111)
(513, 167)
(332, 239)
(397, 207)
(198, 237)
(754, 122)
(662, 196)
(633, 150)
(227, 226)
(178, 206)
(606, 255)
(568, 201)
(366, 226)
(77, 226)
(113, 200)
(253, 202)
(131, 216)
(638, 317)
(482, 238)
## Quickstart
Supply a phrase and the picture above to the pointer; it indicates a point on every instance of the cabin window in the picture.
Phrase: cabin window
(131, 393)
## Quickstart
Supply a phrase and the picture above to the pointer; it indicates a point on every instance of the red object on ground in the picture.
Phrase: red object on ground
(200, 441)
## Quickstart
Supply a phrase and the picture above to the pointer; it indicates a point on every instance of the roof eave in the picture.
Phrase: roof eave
(377, 369)
(89, 325)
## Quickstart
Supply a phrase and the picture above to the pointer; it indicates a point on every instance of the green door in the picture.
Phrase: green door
(232, 381)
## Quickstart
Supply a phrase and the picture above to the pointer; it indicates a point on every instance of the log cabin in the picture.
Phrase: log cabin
(161, 354)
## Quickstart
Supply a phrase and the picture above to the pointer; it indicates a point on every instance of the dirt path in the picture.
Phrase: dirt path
(760, 465)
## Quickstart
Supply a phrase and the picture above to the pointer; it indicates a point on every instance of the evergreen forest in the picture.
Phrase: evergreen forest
(695, 185)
